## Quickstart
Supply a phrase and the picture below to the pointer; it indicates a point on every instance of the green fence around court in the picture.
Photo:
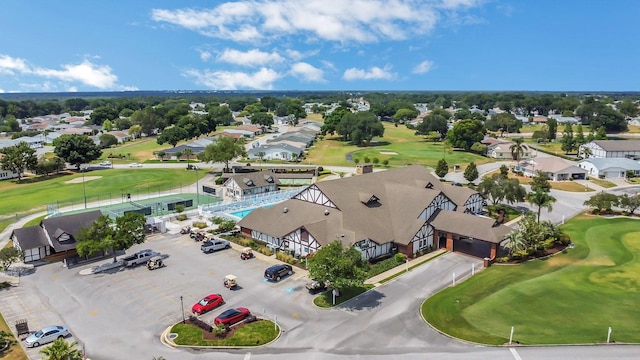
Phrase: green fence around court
(116, 204)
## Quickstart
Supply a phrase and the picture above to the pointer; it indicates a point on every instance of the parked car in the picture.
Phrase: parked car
(232, 316)
(212, 245)
(46, 335)
(208, 303)
(105, 163)
(276, 272)
(135, 165)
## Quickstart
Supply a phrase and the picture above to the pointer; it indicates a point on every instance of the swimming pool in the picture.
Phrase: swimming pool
(242, 213)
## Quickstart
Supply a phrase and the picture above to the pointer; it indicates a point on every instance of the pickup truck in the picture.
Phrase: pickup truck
(139, 258)
(214, 244)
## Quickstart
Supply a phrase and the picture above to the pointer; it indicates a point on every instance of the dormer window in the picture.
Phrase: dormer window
(429, 185)
(248, 182)
(269, 179)
(369, 199)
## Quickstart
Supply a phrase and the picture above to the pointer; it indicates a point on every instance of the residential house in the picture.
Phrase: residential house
(122, 136)
(502, 150)
(557, 169)
(564, 119)
(53, 236)
(242, 133)
(611, 149)
(608, 168)
(240, 186)
(255, 129)
(402, 210)
(276, 152)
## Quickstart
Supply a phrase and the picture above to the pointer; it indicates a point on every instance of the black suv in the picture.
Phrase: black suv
(276, 272)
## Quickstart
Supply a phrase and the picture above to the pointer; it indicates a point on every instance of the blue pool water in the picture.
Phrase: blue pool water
(241, 214)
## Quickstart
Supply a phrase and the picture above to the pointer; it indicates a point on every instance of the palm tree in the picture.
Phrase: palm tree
(62, 350)
(517, 149)
(514, 242)
(187, 152)
(541, 199)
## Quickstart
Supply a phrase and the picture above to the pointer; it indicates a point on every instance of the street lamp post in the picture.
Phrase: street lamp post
(84, 188)
(182, 307)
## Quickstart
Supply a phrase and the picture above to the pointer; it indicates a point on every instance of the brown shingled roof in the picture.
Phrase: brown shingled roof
(472, 226)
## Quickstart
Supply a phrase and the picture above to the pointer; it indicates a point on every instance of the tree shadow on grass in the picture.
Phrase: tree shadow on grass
(40, 178)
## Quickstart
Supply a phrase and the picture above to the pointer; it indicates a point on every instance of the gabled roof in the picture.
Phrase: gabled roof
(30, 237)
(607, 163)
(471, 226)
(618, 145)
(551, 164)
(253, 179)
(69, 224)
(399, 195)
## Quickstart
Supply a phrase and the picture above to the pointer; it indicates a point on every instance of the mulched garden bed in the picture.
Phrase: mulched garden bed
(213, 336)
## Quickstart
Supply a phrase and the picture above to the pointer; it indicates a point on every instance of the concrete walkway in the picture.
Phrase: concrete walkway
(377, 280)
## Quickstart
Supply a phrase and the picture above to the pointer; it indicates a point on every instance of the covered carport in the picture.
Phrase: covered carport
(473, 235)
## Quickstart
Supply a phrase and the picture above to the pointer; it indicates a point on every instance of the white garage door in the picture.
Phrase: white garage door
(612, 174)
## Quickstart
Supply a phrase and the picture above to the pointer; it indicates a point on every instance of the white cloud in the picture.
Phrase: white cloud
(374, 73)
(99, 76)
(205, 55)
(87, 73)
(72, 89)
(295, 55)
(10, 64)
(307, 72)
(423, 68)
(331, 20)
(233, 80)
(253, 57)
(1, 91)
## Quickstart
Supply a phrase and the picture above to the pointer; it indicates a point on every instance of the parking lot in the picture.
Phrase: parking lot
(127, 310)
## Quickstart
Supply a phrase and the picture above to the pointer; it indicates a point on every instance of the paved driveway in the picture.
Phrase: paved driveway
(122, 314)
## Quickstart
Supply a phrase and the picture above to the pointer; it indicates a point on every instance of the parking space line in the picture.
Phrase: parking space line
(515, 354)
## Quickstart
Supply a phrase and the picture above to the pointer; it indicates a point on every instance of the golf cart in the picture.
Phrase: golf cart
(246, 254)
(230, 282)
(155, 263)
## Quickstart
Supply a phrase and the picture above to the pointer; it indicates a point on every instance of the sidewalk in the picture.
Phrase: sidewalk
(375, 280)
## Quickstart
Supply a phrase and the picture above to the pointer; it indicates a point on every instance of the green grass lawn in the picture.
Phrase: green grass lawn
(325, 299)
(400, 146)
(570, 298)
(252, 334)
(138, 150)
(36, 193)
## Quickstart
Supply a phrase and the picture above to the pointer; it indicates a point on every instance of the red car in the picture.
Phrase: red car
(209, 303)
(232, 316)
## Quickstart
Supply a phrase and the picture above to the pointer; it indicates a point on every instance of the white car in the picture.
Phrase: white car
(46, 335)
(135, 165)
(105, 163)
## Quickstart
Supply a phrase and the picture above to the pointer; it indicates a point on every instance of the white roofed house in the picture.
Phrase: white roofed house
(240, 186)
(276, 151)
(502, 150)
(608, 168)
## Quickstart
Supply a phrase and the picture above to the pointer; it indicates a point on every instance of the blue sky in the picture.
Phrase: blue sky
(546, 45)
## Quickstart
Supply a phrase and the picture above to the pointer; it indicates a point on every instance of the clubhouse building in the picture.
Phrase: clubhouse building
(405, 210)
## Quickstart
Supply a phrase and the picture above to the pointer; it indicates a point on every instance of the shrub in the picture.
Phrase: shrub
(548, 243)
(595, 211)
(400, 258)
(284, 257)
(265, 250)
(565, 239)
(219, 180)
(179, 208)
(320, 169)
(502, 259)
(181, 217)
(199, 224)
(220, 330)
(201, 324)
(367, 160)
(385, 162)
